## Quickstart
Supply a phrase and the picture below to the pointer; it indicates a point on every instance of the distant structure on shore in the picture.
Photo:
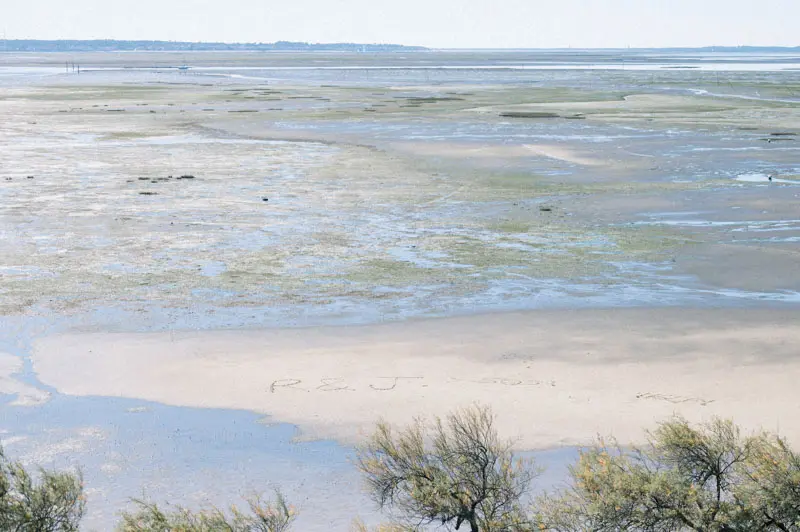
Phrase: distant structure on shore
(177, 46)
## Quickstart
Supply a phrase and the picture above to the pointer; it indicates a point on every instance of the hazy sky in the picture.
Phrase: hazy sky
(435, 23)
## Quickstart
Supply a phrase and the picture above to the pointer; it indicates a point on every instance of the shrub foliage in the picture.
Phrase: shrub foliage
(457, 473)
(263, 516)
(52, 502)
(453, 472)
(706, 479)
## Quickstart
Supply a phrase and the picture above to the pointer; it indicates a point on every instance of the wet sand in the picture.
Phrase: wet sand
(554, 378)
(391, 199)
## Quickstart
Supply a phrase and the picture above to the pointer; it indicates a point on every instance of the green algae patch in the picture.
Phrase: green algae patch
(646, 243)
(512, 226)
(388, 272)
(129, 135)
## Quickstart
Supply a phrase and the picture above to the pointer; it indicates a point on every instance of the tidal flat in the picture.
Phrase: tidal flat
(322, 192)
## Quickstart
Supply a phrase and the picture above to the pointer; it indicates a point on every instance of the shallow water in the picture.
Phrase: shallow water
(129, 448)
(762, 178)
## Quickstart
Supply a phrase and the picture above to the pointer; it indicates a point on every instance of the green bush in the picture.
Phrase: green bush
(52, 503)
(706, 479)
(457, 473)
(453, 472)
(264, 516)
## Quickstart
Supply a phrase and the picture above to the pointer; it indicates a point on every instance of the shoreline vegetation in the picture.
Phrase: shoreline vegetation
(457, 473)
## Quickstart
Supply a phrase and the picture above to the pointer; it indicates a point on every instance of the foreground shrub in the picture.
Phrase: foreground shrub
(706, 478)
(359, 526)
(264, 516)
(53, 503)
(453, 472)
(457, 473)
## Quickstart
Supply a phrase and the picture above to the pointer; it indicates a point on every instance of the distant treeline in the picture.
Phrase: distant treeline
(745, 49)
(108, 45)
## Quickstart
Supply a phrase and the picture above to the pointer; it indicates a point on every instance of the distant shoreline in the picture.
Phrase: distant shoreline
(112, 45)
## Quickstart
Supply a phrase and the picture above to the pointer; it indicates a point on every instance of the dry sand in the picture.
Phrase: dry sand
(482, 151)
(564, 154)
(459, 150)
(554, 378)
(482, 154)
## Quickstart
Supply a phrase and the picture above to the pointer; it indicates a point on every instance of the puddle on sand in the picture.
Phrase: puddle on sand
(764, 178)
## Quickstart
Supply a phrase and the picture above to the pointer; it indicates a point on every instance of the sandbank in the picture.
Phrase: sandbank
(563, 154)
(553, 377)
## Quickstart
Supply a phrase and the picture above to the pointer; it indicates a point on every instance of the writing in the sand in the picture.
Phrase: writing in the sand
(337, 384)
(676, 399)
(386, 384)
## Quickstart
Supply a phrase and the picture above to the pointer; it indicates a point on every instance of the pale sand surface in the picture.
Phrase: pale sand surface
(482, 151)
(26, 395)
(564, 154)
(480, 155)
(554, 378)
(460, 150)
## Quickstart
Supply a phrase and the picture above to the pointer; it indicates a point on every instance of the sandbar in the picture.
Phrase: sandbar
(554, 378)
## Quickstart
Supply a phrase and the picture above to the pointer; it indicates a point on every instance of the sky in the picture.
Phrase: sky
(433, 23)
